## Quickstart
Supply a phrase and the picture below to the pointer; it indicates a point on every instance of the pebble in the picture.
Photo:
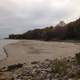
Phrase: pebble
(63, 69)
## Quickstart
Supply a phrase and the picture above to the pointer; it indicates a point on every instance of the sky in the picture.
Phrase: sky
(18, 16)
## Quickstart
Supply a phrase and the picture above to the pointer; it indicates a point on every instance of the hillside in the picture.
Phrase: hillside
(61, 31)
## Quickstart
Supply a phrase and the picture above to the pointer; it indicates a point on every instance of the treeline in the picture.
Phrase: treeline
(68, 31)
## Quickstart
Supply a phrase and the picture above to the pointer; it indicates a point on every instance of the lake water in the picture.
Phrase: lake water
(4, 42)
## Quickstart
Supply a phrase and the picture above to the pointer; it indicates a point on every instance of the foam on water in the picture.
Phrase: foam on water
(3, 43)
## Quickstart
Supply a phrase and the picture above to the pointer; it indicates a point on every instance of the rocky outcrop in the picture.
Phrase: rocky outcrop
(58, 69)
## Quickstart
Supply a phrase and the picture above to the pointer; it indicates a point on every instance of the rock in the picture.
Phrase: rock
(6, 76)
(58, 69)
(78, 57)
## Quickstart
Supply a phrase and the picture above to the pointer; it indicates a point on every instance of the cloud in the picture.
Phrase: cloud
(18, 16)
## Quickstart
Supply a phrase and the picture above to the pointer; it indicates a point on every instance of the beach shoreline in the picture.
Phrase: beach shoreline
(3, 55)
(28, 56)
(26, 51)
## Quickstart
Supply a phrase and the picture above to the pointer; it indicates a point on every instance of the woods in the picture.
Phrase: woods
(59, 32)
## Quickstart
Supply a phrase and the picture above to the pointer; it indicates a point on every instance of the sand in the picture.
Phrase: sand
(3, 43)
(26, 51)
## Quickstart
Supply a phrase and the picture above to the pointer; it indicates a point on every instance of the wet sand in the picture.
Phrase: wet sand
(3, 43)
(27, 51)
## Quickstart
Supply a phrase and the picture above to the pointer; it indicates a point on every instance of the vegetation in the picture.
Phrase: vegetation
(58, 69)
(59, 32)
(78, 57)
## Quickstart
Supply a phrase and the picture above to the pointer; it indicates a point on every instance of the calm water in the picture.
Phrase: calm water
(4, 42)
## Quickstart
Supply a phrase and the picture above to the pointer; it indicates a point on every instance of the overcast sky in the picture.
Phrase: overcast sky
(18, 16)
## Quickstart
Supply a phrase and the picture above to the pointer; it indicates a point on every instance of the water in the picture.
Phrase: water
(3, 43)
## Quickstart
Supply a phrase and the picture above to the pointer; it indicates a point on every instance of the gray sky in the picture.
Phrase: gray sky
(18, 16)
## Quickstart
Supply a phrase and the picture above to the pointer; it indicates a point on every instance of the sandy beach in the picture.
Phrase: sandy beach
(27, 51)
(35, 52)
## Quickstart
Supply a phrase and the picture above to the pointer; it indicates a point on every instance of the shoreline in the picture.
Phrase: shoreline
(26, 58)
(31, 50)
(57, 69)
(5, 52)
